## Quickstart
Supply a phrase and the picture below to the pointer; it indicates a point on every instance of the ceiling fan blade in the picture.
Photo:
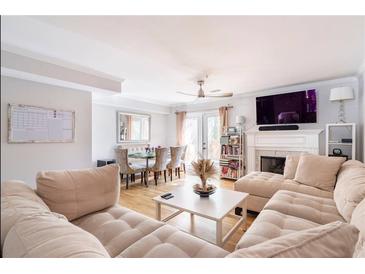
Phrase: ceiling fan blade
(185, 93)
(225, 94)
(214, 91)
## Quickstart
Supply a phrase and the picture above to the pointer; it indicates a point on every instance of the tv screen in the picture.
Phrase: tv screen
(288, 108)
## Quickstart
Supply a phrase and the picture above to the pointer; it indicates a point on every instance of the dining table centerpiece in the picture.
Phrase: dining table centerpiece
(205, 169)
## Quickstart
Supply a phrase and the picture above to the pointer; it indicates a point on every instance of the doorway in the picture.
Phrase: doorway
(202, 135)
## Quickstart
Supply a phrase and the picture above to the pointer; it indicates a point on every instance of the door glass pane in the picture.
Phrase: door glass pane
(191, 136)
(213, 151)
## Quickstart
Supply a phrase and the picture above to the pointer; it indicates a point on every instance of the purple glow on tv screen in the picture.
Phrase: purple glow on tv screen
(288, 108)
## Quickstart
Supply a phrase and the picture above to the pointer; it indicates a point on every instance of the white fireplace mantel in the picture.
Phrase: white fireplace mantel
(280, 143)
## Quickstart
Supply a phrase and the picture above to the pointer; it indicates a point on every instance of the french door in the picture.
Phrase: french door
(202, 135)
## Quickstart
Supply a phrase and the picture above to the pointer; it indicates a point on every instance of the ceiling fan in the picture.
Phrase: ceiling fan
(210, 94)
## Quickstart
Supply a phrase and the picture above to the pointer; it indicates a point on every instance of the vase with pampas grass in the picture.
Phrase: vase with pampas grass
(205, 169)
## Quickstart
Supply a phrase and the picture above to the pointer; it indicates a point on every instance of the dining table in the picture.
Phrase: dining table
(144, 155)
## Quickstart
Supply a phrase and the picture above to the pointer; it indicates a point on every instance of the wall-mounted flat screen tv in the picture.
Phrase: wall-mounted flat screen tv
(287, 108)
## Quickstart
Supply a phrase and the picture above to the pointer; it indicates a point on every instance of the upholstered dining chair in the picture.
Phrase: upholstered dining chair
(160, 163)
(183, 155)
(175, 162)
(128, 169)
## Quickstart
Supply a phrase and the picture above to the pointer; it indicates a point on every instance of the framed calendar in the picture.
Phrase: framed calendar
(32, 124)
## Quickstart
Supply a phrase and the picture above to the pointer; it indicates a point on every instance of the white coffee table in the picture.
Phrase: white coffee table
(216, 207)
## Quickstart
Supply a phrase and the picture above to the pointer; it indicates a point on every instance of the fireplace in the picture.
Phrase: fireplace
(272, 164)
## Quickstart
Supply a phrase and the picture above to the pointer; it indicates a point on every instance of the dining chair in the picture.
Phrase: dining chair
(160, 163)
(128, 169)
(183, 155)
(175, 162)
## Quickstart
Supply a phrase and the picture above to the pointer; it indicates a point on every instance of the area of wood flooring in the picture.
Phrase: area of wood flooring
(139, 198)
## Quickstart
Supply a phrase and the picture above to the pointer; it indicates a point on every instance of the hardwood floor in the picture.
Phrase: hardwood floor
(139, 198)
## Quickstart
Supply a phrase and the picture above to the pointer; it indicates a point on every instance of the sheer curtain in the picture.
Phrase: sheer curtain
(223, 119)
(180, 124)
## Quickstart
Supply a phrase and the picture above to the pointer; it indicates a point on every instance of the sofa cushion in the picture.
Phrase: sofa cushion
(318, 171)
(169, 242)
(18, 200)
(291, 164)
(358, 220)
(312, 208)
(266, 184)
(271, 224)
(263, 184)
(333, 240)
(350, 187)
(292, 185)
(117, 227)
(49, 236)
(75, 193)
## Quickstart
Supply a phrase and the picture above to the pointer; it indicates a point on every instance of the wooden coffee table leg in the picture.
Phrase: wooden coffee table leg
(219, 232)
(158, 211)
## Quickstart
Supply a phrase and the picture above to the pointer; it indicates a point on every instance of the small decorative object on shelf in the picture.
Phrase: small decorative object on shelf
(232, 130)
(232, 151)
(337, 151)
(205, 169)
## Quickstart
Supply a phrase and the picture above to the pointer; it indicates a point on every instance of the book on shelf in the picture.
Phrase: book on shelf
(229, 172)
(230, 150)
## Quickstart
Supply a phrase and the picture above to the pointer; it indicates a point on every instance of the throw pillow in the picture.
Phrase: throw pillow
(291, 164)
(75, 193)
(318, 171)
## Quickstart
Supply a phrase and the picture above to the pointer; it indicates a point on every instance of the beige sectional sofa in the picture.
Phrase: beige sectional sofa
(289, 212)
(76, 214)
(88, 222)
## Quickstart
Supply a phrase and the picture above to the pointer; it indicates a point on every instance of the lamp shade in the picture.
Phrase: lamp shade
(341, 93)
(240, 120)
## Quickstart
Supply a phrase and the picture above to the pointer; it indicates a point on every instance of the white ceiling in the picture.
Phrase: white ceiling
(159, 55)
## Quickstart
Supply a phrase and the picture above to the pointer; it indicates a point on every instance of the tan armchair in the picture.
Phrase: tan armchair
(160, 163)
(175, 162)
(127, 169)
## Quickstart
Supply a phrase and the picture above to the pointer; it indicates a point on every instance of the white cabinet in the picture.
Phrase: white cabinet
(341, 137)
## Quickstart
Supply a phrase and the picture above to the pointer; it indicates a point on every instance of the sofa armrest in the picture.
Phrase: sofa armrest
(333, 240)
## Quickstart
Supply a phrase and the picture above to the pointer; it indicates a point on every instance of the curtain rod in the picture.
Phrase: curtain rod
(202, 110)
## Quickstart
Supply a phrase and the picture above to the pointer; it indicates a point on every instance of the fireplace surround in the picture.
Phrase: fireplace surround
(279, 144)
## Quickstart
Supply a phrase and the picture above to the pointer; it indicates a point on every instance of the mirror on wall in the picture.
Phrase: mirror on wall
(132, 127)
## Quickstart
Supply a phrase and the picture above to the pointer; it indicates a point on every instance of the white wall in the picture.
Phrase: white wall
(23, 161)
(104, 127)
(327, 111)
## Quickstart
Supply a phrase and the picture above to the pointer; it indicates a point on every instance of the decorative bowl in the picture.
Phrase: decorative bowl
(210, 189)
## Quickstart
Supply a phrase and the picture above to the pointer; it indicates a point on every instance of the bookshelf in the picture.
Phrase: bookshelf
(341, 137)
(232, 162)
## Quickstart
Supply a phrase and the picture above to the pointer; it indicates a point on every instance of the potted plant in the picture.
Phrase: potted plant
(204, 169)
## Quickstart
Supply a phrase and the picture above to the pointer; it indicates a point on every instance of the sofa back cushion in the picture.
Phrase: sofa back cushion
(333, 240)
(75, 193)
(18, 200)
(318, 171)
(350, 188)
(358, 220)
(49, 236)
(291, 164)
